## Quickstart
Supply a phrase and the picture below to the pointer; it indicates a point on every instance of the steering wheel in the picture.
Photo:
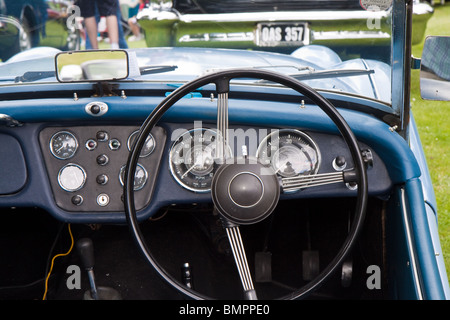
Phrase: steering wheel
(245, 191)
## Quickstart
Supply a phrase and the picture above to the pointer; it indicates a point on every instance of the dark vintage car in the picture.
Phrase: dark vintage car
(276, 25)
(204, 173)
(25, 24)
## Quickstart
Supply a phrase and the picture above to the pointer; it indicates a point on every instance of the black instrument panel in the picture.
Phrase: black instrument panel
(85, 165)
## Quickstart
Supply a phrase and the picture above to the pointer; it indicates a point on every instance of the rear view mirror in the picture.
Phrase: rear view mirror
(435, 69)
(92, 65)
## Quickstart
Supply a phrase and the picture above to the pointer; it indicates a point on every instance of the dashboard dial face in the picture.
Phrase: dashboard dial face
(63, 145)
(192, 159)
(71, 177)
(291, 153)
(140, 177)
(148, 147)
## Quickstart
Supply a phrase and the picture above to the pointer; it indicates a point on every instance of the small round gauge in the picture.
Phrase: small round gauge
(63, 145)
(192, 159)
(71, 177)
(148, 147)
(290, 153)
(140, 177)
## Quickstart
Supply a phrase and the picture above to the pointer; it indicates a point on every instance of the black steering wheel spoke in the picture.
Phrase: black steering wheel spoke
(240, 257)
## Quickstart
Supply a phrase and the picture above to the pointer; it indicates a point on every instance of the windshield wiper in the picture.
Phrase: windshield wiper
(156, 69)
(333, 73)
(31, 76)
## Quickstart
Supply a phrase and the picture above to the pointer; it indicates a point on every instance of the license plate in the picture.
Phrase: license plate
(282, 34)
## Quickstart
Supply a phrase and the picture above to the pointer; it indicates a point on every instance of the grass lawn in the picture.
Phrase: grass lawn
(433, 121)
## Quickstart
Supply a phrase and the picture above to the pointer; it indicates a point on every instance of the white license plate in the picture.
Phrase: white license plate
(282, 34)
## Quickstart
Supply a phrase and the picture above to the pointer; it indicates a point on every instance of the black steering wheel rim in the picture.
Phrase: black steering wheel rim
(221, 79)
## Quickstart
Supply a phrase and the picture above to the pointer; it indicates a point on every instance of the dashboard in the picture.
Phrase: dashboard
(70, 162)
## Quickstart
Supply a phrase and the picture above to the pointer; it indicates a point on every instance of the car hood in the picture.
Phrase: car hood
(317, 66)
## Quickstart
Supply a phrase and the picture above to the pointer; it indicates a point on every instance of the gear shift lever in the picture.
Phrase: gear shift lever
(86, 252)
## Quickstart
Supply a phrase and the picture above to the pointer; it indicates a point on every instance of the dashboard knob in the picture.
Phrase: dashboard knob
(102, 179)
(339, 163)
(102, 159)
(102, 136)
(77, 200)
(95, 109)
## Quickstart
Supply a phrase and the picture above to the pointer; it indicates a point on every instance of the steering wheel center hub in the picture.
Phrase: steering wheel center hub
(245, 192)
(246, 189)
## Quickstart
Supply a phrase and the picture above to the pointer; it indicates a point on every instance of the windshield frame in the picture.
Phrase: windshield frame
(401, 61)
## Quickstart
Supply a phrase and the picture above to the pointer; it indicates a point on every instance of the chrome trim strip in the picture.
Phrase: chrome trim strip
(411, 250)
(284, 16)
(219, 37)
(345, 35)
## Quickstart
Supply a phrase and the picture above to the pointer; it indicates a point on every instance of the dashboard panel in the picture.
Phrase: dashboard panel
(85, 165)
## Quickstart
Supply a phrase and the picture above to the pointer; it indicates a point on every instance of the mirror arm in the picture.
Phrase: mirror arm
(415, 63)
(103, 89)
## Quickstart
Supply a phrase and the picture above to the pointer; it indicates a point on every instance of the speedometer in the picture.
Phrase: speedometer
(290, 152)
(192, 159)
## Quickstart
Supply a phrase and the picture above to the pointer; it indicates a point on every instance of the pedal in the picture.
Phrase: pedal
(310, 260)
(347, 273)
(263, 266)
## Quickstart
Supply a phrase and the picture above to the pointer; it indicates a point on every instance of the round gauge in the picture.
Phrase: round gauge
(71, 177)
(140, 177)
(290, 153)
(63, 145)
(192, 159)
(148, 147)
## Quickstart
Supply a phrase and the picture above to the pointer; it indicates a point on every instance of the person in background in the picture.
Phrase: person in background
(122, 42)
(132, 22)
(106, 8)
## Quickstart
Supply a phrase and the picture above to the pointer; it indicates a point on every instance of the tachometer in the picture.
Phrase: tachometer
(290, 152)
(192, 159)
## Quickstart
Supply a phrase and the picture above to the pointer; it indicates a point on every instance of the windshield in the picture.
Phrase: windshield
(342, 46)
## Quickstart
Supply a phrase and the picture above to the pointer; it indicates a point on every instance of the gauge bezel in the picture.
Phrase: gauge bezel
(282, 132)
(142, 154)
(145, 176)
(52, 139)
(64, 168)
(191, 132)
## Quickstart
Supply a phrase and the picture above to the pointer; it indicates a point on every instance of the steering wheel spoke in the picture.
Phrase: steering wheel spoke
(303, 182)
(222, 127)
(237, 247)
(222, 87)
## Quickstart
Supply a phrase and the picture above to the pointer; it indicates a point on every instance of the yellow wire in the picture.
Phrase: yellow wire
(53, 260)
